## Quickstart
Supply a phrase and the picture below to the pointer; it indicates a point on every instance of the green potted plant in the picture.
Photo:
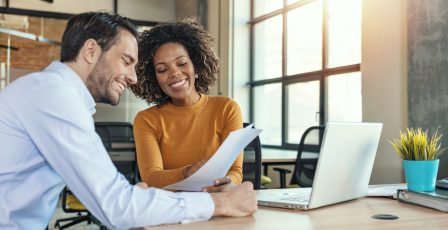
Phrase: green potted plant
(420, 153)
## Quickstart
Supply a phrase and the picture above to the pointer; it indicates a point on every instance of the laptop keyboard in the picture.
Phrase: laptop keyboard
(302, 197)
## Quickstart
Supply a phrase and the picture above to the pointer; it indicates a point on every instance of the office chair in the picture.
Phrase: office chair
(118, 139)
(70, 204)
(252, 162)
(304, 169)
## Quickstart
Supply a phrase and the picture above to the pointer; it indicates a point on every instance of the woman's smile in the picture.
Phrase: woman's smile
(179, 84)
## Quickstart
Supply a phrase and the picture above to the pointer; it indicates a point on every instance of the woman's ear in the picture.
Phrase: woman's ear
(91, 51)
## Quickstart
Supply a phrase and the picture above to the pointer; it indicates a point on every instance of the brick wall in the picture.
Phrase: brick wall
(34, 55)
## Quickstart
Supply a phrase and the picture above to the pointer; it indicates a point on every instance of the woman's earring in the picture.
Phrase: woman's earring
(196, 76)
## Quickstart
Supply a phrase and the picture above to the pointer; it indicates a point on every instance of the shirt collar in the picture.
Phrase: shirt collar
(70, 75)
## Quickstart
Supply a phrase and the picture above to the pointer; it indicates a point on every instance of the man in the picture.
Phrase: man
(48, 139)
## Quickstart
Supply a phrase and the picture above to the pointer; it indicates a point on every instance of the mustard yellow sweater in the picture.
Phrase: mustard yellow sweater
(169, 138)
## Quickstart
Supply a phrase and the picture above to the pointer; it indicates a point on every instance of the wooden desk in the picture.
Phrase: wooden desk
(282, 156)
(349, 215)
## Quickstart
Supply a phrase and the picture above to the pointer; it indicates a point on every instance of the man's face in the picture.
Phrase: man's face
(114, 70)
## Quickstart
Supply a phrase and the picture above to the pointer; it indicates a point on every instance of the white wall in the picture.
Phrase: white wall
(384, 79)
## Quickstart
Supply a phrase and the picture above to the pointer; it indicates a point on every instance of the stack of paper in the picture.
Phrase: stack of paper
(219, 164)
(437, 199)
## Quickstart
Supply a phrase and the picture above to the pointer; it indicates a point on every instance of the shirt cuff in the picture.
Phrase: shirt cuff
(199, 206)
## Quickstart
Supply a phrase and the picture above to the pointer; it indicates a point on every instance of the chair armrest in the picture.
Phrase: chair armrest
(283, 173)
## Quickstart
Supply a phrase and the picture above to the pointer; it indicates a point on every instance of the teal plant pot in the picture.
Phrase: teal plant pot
(421, 175)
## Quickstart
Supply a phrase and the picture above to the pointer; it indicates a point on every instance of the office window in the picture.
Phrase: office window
(304, 39)
(305, 66)
(265, 6)
(268, 107)
(303, 100)
(344, 97)
(268, 49)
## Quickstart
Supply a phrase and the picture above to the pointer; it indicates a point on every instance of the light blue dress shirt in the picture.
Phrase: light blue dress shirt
(48, 140)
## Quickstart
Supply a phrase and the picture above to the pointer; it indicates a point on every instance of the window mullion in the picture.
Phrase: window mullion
(284, 68)
(323, 99)
(251, 64)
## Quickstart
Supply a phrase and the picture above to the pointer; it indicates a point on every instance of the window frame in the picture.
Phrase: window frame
(286, 80)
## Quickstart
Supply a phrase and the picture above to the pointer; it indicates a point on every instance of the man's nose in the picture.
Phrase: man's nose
(131, 78)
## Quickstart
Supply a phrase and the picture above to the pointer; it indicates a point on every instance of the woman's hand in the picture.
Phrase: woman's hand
(142, 185)
(188, 171)
(219, 185)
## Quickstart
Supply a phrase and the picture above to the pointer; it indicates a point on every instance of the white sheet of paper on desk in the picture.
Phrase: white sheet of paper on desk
(219, 164)
(385, 190)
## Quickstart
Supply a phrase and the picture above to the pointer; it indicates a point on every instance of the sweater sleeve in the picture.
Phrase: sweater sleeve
(149, 156)
(233, 120)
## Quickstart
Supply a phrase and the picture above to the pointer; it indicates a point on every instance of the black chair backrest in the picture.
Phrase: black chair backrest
(115, 132)
(119, 137)
(305, 169)
(252, 162)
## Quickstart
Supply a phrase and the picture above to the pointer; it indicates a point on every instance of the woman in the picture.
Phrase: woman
(176, 67)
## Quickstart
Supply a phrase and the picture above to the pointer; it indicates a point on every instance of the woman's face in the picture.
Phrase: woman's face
(175, 73)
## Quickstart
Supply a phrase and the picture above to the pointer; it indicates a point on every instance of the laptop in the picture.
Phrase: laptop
(343, 170)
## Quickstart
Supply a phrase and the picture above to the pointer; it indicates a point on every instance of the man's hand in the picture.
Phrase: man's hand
(235, 201)
(219, 185)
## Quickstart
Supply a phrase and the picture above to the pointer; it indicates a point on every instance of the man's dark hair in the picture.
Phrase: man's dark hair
(101, 26)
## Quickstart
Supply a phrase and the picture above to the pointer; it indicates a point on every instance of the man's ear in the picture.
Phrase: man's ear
(91, 51)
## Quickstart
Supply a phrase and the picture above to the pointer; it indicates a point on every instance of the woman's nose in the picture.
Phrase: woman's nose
(176, 74)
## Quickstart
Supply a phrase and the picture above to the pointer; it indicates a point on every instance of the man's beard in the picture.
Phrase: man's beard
(98, 84)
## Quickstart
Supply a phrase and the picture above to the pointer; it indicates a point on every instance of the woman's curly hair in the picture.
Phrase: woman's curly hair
(197, 42)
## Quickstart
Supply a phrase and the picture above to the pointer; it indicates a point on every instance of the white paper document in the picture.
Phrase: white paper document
(219, 164)
(385, 190)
